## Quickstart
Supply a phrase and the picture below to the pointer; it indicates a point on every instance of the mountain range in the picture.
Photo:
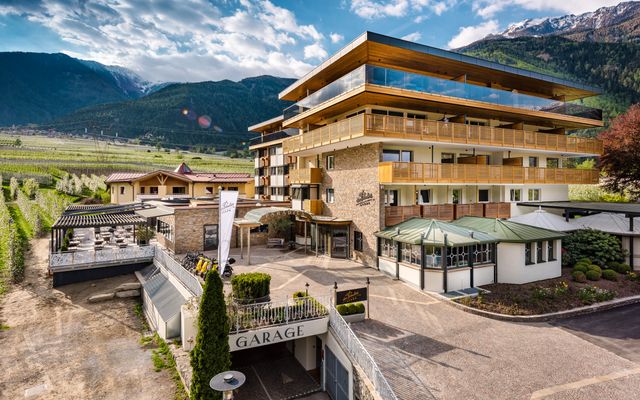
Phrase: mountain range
(601, 48)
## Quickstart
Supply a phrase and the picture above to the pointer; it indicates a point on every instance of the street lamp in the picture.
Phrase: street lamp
(226, 382)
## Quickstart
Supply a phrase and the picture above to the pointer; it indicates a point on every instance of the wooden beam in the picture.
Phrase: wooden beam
(516, 125)
(461, 78)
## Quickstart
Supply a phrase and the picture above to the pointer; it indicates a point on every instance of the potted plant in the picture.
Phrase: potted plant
(144, 234)
(352, 312)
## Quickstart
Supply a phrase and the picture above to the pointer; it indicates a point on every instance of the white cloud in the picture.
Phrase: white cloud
(373, 9)
(469, 34)
(189, 40)
(488, 8)
(336, 37)
(413, 37)
(315, 51)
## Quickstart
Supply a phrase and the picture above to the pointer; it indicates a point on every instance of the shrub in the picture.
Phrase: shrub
(299, 294)
(633, 276)
(250, 285)
(350, 309)
(610, 275)
(585, 260)
(593, 275)
(542, 293)
(591, 245)
(613, 265)
(623, 268)
(579, 276)
(594, 267)
(581, 268)
(591, 294)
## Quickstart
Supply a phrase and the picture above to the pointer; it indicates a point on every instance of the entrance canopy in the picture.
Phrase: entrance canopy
(262, 215)
(430, 231)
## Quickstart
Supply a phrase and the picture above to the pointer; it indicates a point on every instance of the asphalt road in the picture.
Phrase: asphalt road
(616, 330)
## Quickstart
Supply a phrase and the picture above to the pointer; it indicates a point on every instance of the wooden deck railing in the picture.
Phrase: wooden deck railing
(306, 175)
(313, 206)
(437, 131)
(409, 172)
(447, 212)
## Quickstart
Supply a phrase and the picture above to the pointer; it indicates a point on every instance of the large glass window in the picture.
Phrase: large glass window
(533, 161)
(410, 253)
(483, 195)
(432, 256)
(534, 194)
(553, 163)
(551, 256)
(528, 253)
(457, 257)
(424, 196)
(397, 155)
(388, 248)
(540, 253)
(483, 253)
(391, 198)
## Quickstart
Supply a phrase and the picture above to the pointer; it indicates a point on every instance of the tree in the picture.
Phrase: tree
(210, 355)
(599, 247)
(621, 158)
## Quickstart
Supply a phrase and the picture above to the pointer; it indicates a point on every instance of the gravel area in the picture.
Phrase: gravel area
(59, 346)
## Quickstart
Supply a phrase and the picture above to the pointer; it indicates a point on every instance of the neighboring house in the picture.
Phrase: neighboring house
(388, 130)
(181, 183)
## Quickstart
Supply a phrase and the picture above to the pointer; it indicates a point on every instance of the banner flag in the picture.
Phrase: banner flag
(228, 201)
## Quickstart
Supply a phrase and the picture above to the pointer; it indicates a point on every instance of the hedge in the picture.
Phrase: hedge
(250, 286)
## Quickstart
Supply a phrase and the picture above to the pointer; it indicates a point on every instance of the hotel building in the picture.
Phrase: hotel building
(386, 130)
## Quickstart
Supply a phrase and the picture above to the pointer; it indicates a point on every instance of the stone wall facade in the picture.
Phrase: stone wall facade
(358, 196)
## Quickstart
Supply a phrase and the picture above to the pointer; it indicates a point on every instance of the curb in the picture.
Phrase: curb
(607, 305)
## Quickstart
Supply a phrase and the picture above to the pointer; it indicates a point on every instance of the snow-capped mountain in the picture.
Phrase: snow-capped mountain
(131, 84)
(616, 23)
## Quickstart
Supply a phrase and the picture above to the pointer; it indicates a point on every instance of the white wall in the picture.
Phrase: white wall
(188, 327)
(305, 352)
(410, 274)
(483, 275)
(387, 266)
(512, 268)
(458, 279)
(433, 280)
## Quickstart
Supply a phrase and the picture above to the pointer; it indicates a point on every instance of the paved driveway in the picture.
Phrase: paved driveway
(428, 349)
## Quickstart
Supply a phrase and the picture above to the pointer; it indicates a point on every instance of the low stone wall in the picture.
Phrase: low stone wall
(362, 387)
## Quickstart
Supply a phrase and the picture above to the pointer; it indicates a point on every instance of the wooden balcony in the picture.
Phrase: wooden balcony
(446, 212)
(416, 173)
(312, 206)
(309, 176)
(375, 126)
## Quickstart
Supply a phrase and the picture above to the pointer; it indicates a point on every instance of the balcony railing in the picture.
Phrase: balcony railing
(437, 131)
(73, 260)
(269, 137)
(409, 172)
(312, 206)
(409, 81)
(447, 212)
(309, 176)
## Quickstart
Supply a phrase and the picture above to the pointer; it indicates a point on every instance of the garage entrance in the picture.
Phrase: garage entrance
(336, 377)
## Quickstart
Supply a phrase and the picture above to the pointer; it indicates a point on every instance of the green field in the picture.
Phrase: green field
(41, 156)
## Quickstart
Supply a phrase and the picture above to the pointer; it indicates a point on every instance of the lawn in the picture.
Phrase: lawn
(550, 295)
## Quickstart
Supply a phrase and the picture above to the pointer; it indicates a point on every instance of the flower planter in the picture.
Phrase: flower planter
(354, 317)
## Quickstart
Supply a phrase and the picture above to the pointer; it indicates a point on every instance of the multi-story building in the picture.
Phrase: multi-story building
(271, 165)
(389, 129)
(127, 187)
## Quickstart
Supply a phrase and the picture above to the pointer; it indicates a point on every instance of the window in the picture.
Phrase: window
(276, 170)
(388, 248)
(330, 196)
(553, 163)
(550, 251)
(458, 257)
(534, 194)
(416, 116)
(301, 193)
(410, 253)
(390, 197)
(448, 158)
(208, 190)
(482, 253)
(331, 162)
(121, 189)
(483, 195)
(540, 253)
(528, 253)
(533, 161)
(273, 151)
(424, 196)
(142, 189)
(179, 190)
(456, 196)
(515, 194)
(357, 241)
(432, 256)
(277, 191)
(153, 190)
(397, 155)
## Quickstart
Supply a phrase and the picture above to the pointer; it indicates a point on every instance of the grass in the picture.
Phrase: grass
(163, 359)
(52, 156)
(23, 227)
(4, 327)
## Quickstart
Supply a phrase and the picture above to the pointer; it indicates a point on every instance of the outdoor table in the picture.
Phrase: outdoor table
(119, 240)
(122, 245)
(98, 247)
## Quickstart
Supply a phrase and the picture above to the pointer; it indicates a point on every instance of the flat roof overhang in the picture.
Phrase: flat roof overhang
(369, 94)
(629, 209)
(377, 49)
(272, 123)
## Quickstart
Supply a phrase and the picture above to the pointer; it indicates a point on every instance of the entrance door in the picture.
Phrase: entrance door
(336, 377)
(340, 243)
(210, 237)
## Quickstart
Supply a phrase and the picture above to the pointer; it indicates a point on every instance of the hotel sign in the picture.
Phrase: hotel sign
(364, 199)
(277, 334)
(351, 296)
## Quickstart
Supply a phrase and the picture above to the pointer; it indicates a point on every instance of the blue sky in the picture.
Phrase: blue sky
(196, 40)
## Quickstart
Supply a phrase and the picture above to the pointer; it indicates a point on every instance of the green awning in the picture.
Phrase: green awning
(508, 231)
(431, 231)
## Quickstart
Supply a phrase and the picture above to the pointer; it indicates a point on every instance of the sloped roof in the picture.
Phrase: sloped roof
(206, 177)
(508, 231)
(124, 176)
(165, 297)
(616, 224)
(183, 169)
(431, 231)
(544, 219)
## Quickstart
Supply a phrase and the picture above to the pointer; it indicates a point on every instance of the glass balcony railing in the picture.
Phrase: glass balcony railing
(427, 84)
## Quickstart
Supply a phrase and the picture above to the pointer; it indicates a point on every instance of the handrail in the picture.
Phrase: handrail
(375, 125)
(352, 345)
(305, 175)
(190, 281)
(413, 172)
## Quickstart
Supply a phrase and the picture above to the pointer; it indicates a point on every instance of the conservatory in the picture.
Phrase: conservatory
(437, 256)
